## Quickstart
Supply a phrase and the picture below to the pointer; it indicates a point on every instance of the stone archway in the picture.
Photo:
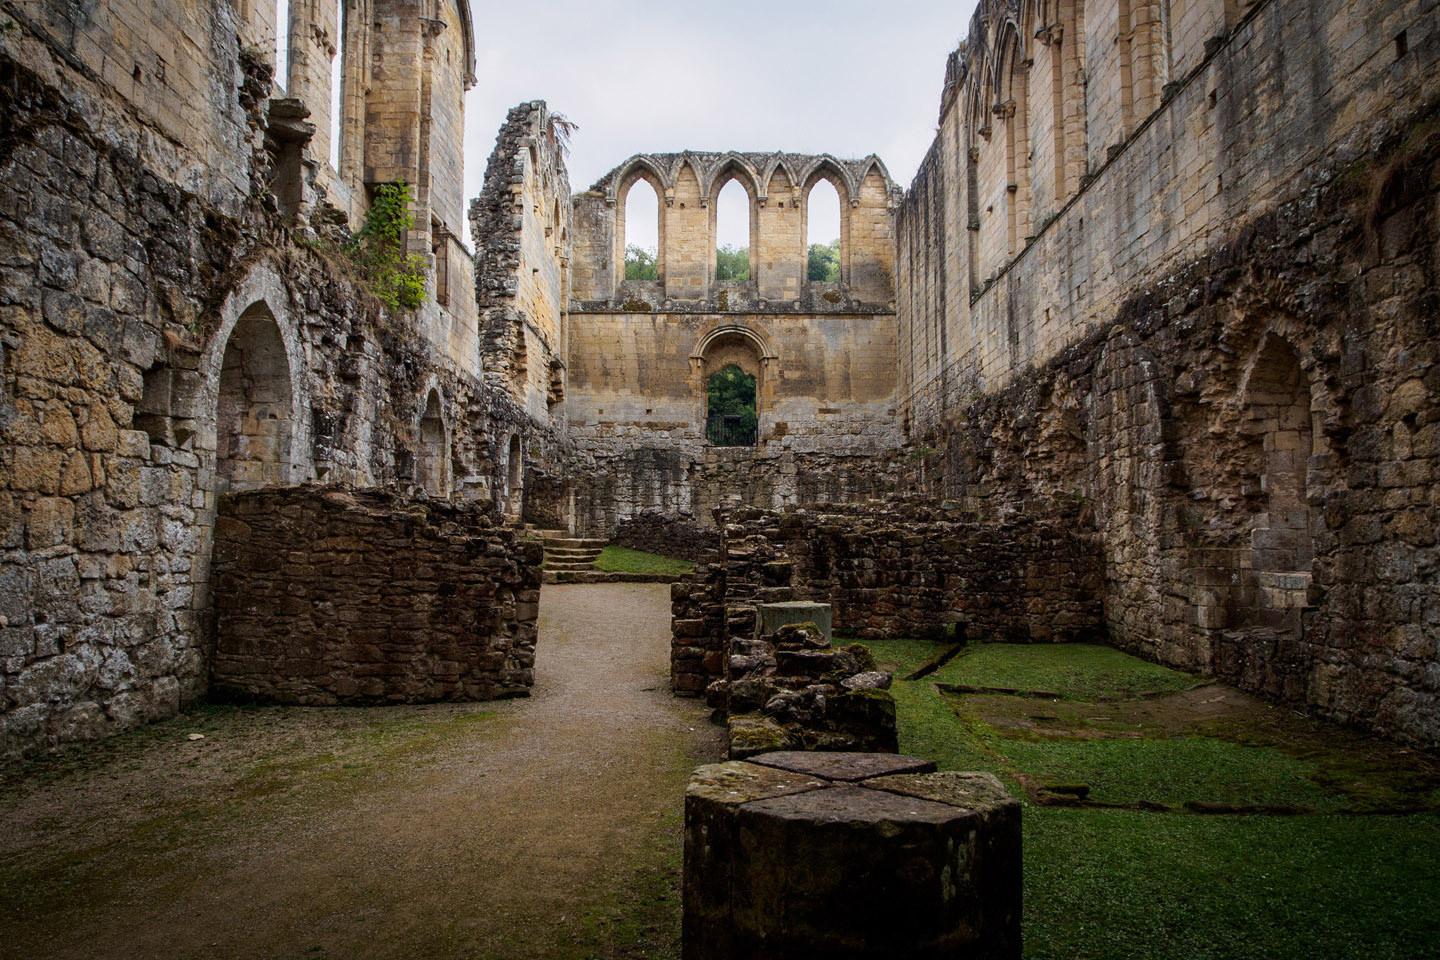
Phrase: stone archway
(735, 345)
(432, 461)
(254, 414)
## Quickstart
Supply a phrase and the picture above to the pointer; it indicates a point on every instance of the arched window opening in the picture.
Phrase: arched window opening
(732, 234)
(254, 413)
(731, 414)
(337, 84)
(822, 233)
(1013, 113)
(431, 459)
(641, 239)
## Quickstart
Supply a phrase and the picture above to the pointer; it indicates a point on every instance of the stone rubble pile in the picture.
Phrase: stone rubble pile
(794, 690)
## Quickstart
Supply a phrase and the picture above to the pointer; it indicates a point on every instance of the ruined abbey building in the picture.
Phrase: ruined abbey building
(1146, 352)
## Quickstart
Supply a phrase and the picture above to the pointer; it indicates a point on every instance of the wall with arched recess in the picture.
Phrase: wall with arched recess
(637, 351)
(1215, 332)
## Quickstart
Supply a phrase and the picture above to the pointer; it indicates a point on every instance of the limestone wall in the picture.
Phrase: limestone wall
(361, 597)
(164, 339)
(640, 353)
(1224, 343)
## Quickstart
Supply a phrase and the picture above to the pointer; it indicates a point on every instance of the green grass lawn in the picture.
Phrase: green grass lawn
(1170, 884)
(624, 560)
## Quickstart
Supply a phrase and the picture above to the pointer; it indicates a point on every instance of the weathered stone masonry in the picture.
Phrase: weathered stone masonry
(342, 597)
(894, 570)
(1220, 333)
(165, 338)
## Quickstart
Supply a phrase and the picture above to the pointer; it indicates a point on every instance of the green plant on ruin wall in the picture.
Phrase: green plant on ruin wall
(396, 277)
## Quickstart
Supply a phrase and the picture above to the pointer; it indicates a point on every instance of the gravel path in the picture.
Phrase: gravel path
(545, 827)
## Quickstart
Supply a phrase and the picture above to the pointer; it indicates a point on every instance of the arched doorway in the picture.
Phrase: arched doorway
(254, 412)
(731, 409)
(732, 369)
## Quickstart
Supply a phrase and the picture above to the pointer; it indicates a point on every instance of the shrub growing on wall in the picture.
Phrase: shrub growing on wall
(396, 277)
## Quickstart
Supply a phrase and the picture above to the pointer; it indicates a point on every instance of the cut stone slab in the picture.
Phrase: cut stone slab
(844, 767)
(770, 617)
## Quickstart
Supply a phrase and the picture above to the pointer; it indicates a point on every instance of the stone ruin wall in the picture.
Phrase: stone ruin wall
(894, 570)
(521, 224)
(326, 596)
(669, 535)
(1223, 342)
(165, 337)
(639, 353)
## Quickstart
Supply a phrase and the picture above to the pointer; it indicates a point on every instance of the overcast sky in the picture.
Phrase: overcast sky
(841, 77)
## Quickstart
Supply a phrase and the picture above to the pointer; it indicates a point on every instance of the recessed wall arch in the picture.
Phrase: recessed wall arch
(432, 442)
(258, 309)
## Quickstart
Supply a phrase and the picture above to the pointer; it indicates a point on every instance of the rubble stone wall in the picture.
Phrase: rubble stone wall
(669, 535)
(333, 596)
(894, 570)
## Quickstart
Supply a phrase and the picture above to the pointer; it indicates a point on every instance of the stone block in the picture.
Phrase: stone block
(783, 864)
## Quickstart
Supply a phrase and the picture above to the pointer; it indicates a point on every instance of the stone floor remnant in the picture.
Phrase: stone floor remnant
(849, 855)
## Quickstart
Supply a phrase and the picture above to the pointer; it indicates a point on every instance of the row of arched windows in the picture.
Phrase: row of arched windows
(1051, 89)
(734, 238)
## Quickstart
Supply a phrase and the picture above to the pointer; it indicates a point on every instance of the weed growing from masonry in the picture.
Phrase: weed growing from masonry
(396, 277)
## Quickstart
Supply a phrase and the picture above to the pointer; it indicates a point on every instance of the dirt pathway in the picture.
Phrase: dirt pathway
(545, 827)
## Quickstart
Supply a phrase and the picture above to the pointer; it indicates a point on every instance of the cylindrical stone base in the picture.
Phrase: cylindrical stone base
(853, 855)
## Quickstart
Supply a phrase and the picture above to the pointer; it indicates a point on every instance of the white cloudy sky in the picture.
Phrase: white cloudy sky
(841, 77)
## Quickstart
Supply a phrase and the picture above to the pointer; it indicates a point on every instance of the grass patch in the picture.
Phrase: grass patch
(614, 559)
(1123, 884)
(1113, 884)
(1078, 671)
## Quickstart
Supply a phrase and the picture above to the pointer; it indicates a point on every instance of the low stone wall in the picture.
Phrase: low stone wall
(926, 570)
(894, 570)
(331, 596)
(668, 534)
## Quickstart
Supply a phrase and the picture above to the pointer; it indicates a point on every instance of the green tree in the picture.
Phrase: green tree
(731, 393)
(732, 264)
(825, 262)
(396, 277)
(641, 264)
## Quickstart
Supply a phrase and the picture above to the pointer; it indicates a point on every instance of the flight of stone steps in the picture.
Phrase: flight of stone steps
(572, 559)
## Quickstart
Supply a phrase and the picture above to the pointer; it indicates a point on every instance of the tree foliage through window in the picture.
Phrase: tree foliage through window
(732, 263)
(641, 264)
(824, 264)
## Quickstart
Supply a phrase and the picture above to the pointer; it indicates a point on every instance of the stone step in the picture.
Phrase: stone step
(572, 553)
(530, 532)
(568, 565)
(572, 542)
(603, 576)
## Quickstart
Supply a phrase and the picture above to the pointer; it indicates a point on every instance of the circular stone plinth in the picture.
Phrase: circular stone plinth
(784, 862)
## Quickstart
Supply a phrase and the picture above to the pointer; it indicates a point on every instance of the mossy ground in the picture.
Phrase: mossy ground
(615, 559)
(1345, 875)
